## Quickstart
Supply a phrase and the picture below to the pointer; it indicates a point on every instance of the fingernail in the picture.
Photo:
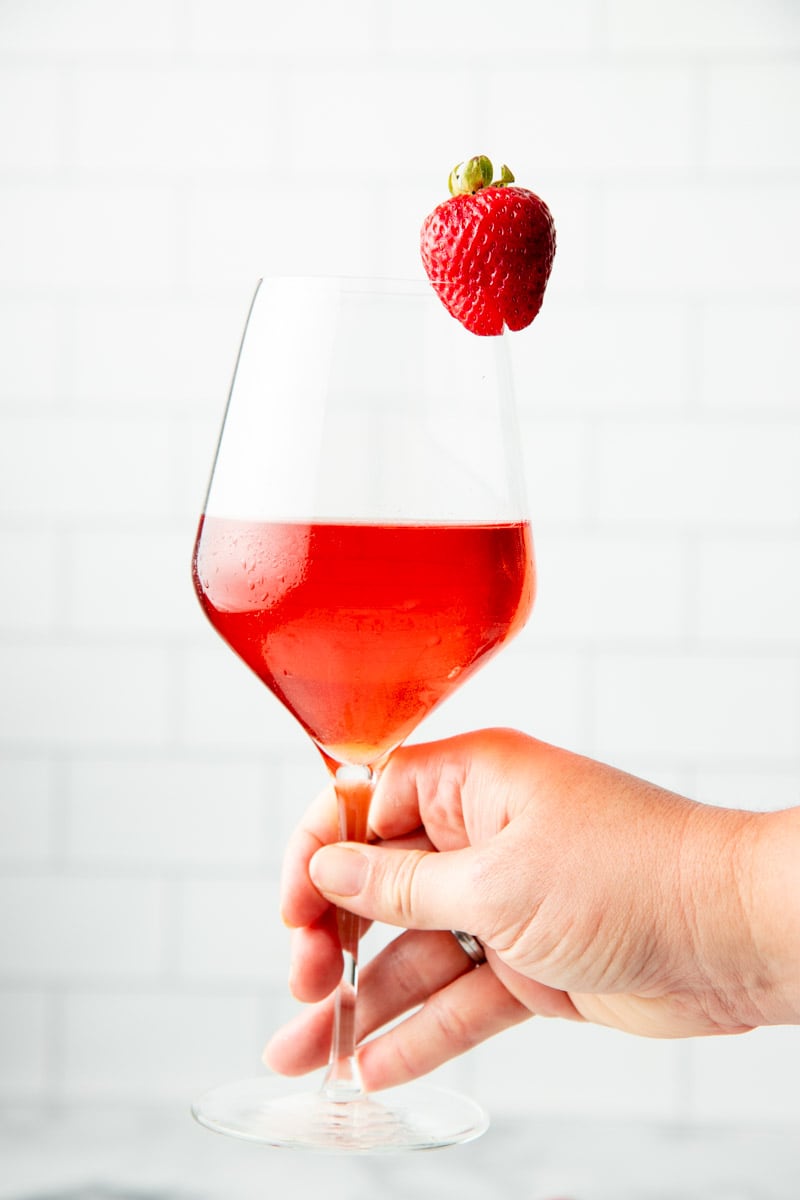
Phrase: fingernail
(339, 870)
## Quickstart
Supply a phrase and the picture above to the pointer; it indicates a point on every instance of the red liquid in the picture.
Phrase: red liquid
(361, 629)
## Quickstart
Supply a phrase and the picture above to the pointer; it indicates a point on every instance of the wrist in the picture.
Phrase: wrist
(775, 913)
(743, 907)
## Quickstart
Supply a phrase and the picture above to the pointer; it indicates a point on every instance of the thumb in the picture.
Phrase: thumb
(415, 889)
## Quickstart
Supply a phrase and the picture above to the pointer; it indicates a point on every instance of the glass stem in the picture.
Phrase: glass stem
(354, 786)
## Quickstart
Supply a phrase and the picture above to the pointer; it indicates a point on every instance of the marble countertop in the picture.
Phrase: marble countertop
(115, 1154)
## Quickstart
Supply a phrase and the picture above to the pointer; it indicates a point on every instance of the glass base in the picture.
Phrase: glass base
(413, 1117)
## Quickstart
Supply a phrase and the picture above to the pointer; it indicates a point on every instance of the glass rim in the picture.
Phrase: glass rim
(398, 284)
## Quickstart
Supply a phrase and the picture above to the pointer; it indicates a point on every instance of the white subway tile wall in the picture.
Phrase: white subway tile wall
(154, 160)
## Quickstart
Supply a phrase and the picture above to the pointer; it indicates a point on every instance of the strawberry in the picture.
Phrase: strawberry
(488, 250)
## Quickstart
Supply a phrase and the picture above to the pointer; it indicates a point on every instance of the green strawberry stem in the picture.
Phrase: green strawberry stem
(476, 173)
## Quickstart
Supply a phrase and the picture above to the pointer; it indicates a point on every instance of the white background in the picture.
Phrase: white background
(155, 158)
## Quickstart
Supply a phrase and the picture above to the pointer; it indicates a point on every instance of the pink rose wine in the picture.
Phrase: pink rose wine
(360, 630)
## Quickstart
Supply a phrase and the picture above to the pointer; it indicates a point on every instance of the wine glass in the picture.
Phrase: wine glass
(363, 548)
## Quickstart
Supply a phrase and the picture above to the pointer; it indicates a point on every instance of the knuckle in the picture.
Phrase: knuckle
(455, 1029)
(404, 886)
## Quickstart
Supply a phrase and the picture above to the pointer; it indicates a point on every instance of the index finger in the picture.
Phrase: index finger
(421, 786)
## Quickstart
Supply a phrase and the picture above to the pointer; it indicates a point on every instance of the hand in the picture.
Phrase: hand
(597, 897)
